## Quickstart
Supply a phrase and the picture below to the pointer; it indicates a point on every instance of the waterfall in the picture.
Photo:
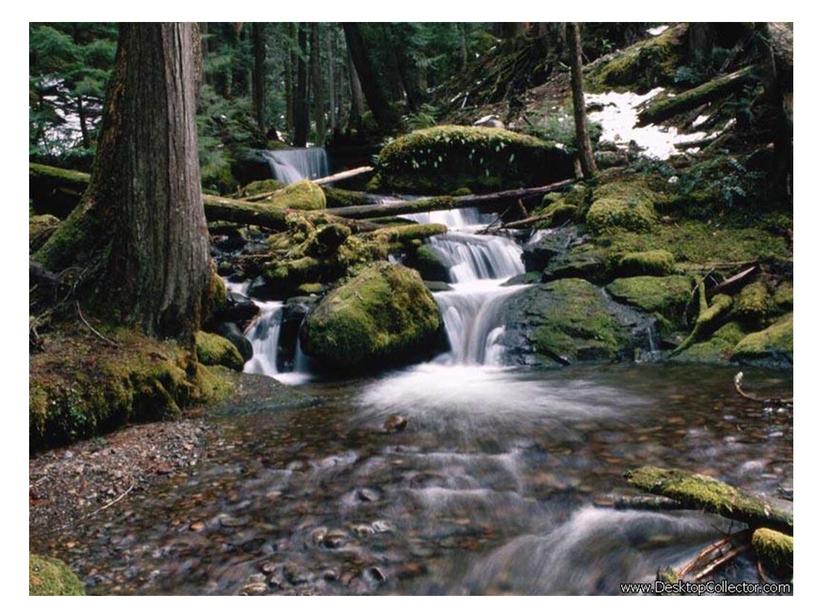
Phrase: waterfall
(264, 334)
(479, 265)
(292, 165)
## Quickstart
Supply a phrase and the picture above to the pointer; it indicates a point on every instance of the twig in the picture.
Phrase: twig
(111, 503)
(94, 330)
(766, 401)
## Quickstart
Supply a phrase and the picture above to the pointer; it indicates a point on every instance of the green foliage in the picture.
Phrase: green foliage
(52, 577)
(214, 350)
(558, 126)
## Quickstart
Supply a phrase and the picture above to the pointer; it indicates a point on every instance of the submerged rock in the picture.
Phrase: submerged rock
(570, 320)
(383, 316)
(444, 159)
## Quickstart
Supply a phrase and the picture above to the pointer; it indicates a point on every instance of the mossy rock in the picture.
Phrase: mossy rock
(81, 386)
(426, 261)
(566, 321)
(625, 204)
(40, 229)
(445, 159)
(382, 316)
(708, 494)
(782, 299)
(261, 187)
(772, 346)
(666, 296)
(752, 304)
(215, 350)
(302, 195)
(408, 233)
(775, 551)
(716, 350)
(327, 239)
(658, 263)
(52, 577)
(642, 66)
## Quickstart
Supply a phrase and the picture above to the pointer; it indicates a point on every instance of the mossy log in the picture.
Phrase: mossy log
(774, 550)
(708, 316)
(441, 203)
(664, 108)
(708, 494)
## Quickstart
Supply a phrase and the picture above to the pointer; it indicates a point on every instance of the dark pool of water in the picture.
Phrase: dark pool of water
(493, 487)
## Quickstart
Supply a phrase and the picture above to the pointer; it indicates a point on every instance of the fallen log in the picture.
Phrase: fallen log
(707, 318)
(663, 108)
(734, 282)
(444, 203)
(708, 494)
(715, 556)
(346, 174)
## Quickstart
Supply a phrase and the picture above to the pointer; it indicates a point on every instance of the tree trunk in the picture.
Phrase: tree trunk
(259, 75)
(301, 104)
(83, 124)
(289, 83)
(408, 73)
(139, 232)
(383, 113)
(357, 103)
(582, 141)
(332, 89)
(317, 85)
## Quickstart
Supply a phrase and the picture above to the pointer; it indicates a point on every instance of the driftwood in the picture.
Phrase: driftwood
(707, 316)
(734, 282)
(765, 401)
(422, 205)
(715, 556)
(346, 174)
(663, 108)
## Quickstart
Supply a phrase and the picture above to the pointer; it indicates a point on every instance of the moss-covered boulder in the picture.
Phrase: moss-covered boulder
(264, 186)
(427, 262)
(782, 299)
(40, 228)
(753, 304)
(666, 297)
(303, 195)
(81, 386)
(336, 197)
(444, 159)
(52, 577)
(382, 316)
(775, 551)
(569, 320)
(642, 66)
(718, 349)
(215, 350)
(657, 262)
(624, 204)
(708, 494)
(771, 346)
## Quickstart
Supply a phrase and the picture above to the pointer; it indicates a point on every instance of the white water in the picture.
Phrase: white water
(292, 165)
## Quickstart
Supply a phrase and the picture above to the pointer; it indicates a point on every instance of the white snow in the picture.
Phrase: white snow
(657, 31)
(618, 119)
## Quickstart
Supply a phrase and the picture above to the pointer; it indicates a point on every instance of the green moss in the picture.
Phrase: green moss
(40, 229)
(52, 577)
(409, 232)
(327, 239)
(775, 550)
(428, 264)
(626, 204)
(753, 304)
(310, 288)
(260, 187)
(667, 296)
(217, 177)
(336, 197)
(643, 65)
(657, 263)
(717, 349)
(774, 343)
(445, 159)
(303, 195)
(384, 315)
(81, 386)
(709, 494)
(782, 300)
(213, 350)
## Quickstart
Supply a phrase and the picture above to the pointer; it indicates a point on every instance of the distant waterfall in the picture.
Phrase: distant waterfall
(292, 165)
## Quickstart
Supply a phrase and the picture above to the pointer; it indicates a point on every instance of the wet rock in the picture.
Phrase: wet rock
(254, 589)
(375, 574)
(334, 539)
(294, 574)
(545, 245)
(368, 495)
(438, 286)
(395, 423)
(238, 309)
(232, 333)
(260, 288)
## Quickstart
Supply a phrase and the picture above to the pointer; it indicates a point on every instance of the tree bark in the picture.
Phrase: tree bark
(357, 103)
(318, 101)
(332, 87)
(409, 75)
(259, 75)
(301, 104)
(140, 231)
(582, 141)
(382, 110)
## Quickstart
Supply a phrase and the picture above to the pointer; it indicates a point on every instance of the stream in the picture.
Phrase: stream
(499, 484)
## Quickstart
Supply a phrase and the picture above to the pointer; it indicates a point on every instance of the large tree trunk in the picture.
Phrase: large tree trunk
(332, 85)
(408, 73)
(259, 75)
(582, 141)
(317, 85)
(372, 87)
(357, 100)
(301, 104)
(139, 233)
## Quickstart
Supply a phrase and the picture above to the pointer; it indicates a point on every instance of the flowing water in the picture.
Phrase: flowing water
(499, 484)
(292, 165)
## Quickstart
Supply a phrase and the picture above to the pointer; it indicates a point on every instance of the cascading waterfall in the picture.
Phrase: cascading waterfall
(292, 165)
(479, 265)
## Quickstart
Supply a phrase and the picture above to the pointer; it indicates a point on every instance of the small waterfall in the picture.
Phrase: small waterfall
(264, 334)
(479, 265)
(292, 165)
